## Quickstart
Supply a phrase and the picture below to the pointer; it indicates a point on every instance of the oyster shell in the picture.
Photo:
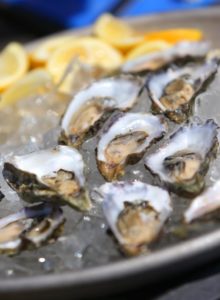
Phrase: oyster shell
(124, 139)
(30, 228)
(135, 211)
(1, 195)
(157, 60)
(213, 55)
(184, 160)
(205, 203)
(172, 90)
(93, 104)
(55, 174)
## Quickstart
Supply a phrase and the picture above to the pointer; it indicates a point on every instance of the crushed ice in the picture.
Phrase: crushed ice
(34, 124)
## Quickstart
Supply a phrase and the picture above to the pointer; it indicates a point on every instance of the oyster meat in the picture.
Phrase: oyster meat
(124, 139)
(204, 204)
(184, 160)
(172, 90)
(135, 212)
(154, 61)
(30, 228)
(92, 105)
(55, 174)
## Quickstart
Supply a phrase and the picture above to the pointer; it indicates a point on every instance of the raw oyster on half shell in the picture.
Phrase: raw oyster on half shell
(55, 174)
(135, 211)
(206, 203)
(186, 51)
(183, 161)
(173, 90)
(30, 228)
(124, 139)
(92, 105)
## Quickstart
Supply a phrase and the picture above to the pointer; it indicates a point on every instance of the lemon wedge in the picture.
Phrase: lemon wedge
(147, 47)
(14, 64)
(35, 82)
(88, 50)
(116, 32)
(40, 54)
(175, 35)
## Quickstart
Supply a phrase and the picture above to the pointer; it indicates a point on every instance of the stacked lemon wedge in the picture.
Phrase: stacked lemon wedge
(111, 42)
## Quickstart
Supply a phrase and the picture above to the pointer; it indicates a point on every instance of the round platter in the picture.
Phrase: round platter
(130, 273)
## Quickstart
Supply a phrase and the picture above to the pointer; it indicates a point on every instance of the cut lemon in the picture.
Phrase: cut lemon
(116, 32)
(40, 55)
(35, 82)
(88, 50)
(147, 47)
(175, 35)
(13, 64)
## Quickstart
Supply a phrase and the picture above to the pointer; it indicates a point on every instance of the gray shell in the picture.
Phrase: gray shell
(194, 138)
(119, 92)
(43, 176)
(30, 228)
(115, 195)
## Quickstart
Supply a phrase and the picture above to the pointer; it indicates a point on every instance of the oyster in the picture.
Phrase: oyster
(205, 203)
(213, 55)
(30, 228)
(172, 90)
(93, 104)
(157, 60)
(124, 139)
(55, 174)
(184, 160)
(135, 211)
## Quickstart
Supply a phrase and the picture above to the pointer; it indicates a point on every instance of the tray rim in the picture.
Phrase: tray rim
(157, 261)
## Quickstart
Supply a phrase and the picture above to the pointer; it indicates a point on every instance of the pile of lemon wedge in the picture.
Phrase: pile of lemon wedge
(111, 42)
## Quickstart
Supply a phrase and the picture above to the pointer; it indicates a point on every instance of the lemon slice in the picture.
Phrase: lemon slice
(35, 82)
(40, 55)
(116, 32)
(175, 35)
(13, 64)
(88, 50)
(147, 47)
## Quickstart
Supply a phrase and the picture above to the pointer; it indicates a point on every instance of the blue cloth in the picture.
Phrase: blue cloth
(71, 13)
(148, 6)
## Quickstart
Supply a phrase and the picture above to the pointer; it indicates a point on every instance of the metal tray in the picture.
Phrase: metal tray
(127, 274)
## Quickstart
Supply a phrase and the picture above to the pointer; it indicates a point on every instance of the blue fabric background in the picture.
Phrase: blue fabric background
(71, 13)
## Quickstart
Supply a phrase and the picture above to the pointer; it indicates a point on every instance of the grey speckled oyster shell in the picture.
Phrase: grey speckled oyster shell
(124, 139)
(54, 175)
(30, 228)
(173, 90)
(186, 51)
(135, 211)
(183, 160)
(91, 106)
(207, 202)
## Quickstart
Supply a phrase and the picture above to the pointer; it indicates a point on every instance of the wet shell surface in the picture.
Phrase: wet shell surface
(55, 174)
(135, 212)
(157, 60)
(172, 90)
(124, 139)
(184, 160)
(207, 202)
(30, 228)
(91, 106)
